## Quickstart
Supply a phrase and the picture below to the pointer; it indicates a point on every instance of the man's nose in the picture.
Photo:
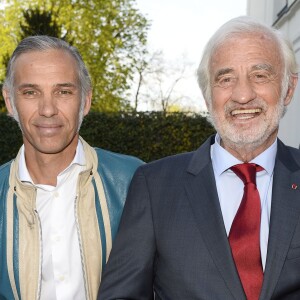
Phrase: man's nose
(48, 106)
(243, 91)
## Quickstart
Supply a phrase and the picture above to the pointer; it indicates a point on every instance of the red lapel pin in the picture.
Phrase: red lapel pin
(294, 186)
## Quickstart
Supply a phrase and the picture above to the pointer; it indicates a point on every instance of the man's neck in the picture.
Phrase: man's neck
(248, 152)
(44, 168)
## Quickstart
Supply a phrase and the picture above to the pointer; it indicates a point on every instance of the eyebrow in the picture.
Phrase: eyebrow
(31, 85)
(222, 72)
(266, 67)
(27, 85)
(66, 84)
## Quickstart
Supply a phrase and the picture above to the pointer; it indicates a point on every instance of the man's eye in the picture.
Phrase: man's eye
(261, 77)
(65, 92)
(225, 81)
(29, 93)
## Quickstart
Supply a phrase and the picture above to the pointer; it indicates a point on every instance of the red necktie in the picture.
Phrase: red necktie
(245, 231)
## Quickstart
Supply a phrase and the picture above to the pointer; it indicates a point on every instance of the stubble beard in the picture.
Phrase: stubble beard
(249, 138)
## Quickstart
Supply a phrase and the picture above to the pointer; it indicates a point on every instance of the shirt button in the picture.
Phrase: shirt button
(56, 194)
(61, 278)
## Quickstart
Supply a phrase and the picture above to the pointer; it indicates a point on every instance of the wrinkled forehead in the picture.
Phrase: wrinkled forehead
(247, 48)
(266, 38)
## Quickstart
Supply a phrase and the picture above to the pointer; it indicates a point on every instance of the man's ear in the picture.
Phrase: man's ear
(291, 89)
(88, 103)
(6, 96)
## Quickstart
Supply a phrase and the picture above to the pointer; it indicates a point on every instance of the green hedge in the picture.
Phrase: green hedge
(149, 135)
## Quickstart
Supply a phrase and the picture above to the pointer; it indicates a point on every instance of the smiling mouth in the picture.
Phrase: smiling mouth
(48, 126)
(48, 130)
(246, 113)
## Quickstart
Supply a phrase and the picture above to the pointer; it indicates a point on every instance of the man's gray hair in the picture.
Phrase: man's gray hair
(238, 27)
(44, 43)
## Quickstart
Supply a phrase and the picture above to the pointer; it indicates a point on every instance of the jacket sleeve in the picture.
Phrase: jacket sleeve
(129, 271)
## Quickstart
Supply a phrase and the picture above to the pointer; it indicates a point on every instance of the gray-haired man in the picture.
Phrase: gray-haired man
(60, 199)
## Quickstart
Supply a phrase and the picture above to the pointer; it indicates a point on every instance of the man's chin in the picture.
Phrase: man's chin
(244, 140)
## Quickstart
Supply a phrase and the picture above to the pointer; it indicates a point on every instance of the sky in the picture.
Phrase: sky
(182, 28)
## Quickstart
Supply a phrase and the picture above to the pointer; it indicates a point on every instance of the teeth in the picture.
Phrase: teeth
(245, 111)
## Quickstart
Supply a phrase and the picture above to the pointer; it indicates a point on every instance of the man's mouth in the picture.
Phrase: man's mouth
(246, 113)
(48, 125)
(48, 129)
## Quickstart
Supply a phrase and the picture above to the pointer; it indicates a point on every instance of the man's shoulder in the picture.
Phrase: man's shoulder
(177, 158)
(287, 156)
(173, 164)
(293, 150)
(182, 161)
(285, 151)
(4, 175)
(5, 169)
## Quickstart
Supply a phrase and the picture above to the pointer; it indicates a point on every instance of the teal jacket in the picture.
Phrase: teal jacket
(101, 193)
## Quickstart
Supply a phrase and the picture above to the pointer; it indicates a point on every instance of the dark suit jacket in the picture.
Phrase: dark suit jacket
(172, 237)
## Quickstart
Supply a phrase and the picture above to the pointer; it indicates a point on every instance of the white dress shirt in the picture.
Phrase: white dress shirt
(231, 188)
(62, 274)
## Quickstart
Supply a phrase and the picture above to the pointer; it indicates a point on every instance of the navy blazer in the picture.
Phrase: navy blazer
(172, 240)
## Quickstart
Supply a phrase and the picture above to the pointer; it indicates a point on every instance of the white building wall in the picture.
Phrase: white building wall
(261, 10)
(285, 16)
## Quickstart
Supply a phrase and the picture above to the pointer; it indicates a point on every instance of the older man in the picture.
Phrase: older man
(60, 199)
(221, 222)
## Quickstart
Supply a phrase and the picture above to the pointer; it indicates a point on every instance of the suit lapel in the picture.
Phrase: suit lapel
(202, 194)
(284, 217)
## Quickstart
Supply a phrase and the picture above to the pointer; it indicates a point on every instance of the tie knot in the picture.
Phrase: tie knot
(246, 172)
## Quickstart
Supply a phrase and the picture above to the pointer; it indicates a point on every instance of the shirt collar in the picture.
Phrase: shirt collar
(24, 175)
(222, 160)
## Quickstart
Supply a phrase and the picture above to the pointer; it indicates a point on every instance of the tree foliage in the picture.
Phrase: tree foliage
(37, 21)
(108, 34)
